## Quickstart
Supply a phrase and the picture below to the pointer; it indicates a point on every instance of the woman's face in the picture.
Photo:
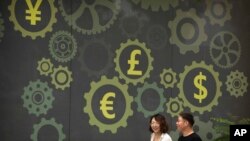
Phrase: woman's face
(155, 126)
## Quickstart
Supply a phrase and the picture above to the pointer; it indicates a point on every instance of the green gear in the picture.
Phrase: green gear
(215, 75)
(168, 78)
(214, 13)
(44, 122)
(26, 32)
(45, 67)
(140, 92)
(34, 90)
(236, 83)
(117, 60)
(156, 5)
(128, 100)
(1, 27)
(97, 25)
(61, 77)
(174, 106)
(156, 36)
(62, 46)
(226, 48)
(197, 23)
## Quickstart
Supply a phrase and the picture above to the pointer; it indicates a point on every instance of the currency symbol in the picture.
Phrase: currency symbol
(33, 11)
(134, 62)
(202, 90)
(107, 105)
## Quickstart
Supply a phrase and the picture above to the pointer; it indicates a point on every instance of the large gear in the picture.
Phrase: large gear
(174, 106)
(187, 31)
(218, 11)
(138, 100)
(45, 67)
(96, 12)
(156, 5)
(61, 77)
(149, 58)
(225, 49)
(156, 37)
(44, 122)
(1, 27)
(218, 85)
(62, 46)
(37, 97)
(128, 100)
(236, 83)
(33, 34)
(168, 78)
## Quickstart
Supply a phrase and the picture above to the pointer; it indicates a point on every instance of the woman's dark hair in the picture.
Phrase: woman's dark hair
(162, 121)
(189, 117)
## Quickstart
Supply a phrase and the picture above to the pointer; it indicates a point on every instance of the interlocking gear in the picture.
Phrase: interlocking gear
(236, 83)
(187, 31)
(218, 11)
(37, 97)
(33, 34)
(168, 78)
(117, 60)
(225, 49)
(156, 37)
(45, 67)
(138, 100)
(156, 5)
(174, 106)
(44, 123)
(128, 100)
(218, 85)
(1, 27)
(61, 77)
(62, 46)
(87, 11)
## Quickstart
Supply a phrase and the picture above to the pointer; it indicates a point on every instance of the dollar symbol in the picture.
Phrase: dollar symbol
(33, 11)
(134, 62)
(198, 84)
(107, 105)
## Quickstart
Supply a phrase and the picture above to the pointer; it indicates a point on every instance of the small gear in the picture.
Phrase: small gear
(156, 5)
(44, 122)
(236, 83)
(128, 100)
(37, 97)
(168, 78)
(1, 27)
(218, 11)
(62, 46)
(90, 17)
(174, 106)
(138, 100)
(149, 58)
(61, 77)
(187, 31)
(33, 34)
(156, 37)
(218, 85)
(45, 67)
(225, 49)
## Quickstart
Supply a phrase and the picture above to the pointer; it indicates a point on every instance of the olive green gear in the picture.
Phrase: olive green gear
(168, 78)
(218, 85)
(156, 36)
(84, 66)
(1, 27)
(201, 37)
(24, 31)
(44, 122)
(62, 46)
(117, 60)
(236, 83)
(156, 5)
(141, 90)
(97, 27)
(61, 74)
(128, 100)
(174, 106)
(211, 11)
(41, 89)
(226, 49)
(45, 67)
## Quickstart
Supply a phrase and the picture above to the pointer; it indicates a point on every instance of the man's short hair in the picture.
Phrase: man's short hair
(189, 117)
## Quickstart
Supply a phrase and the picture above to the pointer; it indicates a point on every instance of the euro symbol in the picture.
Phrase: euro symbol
(107, 105)
(134, 62)
(33, 11)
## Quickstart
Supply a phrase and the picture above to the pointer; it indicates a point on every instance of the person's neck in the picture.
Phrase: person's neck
(158, 134)
(187, 132)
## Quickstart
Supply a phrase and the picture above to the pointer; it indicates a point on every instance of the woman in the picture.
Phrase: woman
(159, 128)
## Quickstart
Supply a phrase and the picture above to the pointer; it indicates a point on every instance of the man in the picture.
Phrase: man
(185, 124)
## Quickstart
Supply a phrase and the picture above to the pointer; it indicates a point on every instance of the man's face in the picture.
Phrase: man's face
(155, 126)
(181, 123)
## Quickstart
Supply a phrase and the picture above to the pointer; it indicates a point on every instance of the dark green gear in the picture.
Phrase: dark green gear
(61, 77)
(168, 78)
(174, 106)
(45, 67)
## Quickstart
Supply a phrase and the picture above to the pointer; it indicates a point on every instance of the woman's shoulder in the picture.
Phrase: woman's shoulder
(166, 137)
